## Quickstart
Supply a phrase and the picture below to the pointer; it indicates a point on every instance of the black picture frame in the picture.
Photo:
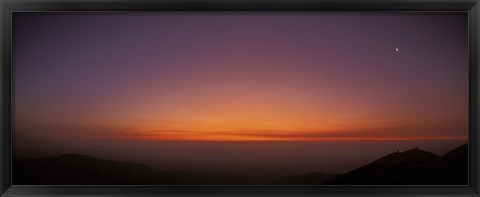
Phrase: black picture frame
(10, 6)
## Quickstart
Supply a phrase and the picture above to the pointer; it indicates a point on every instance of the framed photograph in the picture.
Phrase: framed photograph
(240, 98)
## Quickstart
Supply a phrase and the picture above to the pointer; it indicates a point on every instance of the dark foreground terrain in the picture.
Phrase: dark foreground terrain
(74, 169)
(412, 167)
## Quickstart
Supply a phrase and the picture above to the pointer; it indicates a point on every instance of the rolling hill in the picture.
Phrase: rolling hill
(75, 169)
(412, 167)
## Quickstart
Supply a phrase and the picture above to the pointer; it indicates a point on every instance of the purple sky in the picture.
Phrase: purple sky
(90, 79)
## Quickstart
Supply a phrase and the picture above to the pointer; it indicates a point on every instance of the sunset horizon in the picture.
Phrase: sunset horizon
(258, 95)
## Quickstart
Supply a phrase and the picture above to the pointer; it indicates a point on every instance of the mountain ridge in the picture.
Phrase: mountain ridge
(411, 167)
(78, 169)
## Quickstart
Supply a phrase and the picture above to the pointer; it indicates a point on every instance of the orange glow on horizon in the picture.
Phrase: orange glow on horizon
(323, 139)
(260, 77)
(234, 136)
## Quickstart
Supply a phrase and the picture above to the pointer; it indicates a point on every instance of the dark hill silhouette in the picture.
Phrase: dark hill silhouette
(74, 169)
(450, 169)
(414, 155)
(314, 178)
(411, 167)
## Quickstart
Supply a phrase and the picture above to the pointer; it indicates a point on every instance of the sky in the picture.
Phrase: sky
(230, 79)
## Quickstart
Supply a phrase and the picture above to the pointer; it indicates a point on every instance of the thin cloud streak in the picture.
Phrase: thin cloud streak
(182, 135)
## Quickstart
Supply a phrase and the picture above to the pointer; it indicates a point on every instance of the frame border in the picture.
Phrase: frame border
(7, 7)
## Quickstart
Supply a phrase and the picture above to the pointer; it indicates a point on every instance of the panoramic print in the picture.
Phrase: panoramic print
(240, 98)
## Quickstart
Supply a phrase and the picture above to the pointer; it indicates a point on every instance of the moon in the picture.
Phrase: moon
(396, 49)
